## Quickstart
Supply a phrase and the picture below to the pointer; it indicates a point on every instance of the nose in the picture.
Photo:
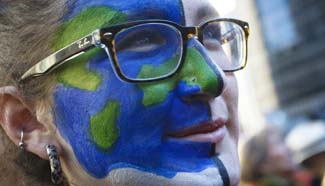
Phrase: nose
(199, 73)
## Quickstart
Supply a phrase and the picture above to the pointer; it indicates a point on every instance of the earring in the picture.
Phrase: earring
(21, 142)
(56, 172)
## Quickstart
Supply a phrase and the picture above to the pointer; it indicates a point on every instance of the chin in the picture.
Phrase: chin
(133, 177)
(228, 154)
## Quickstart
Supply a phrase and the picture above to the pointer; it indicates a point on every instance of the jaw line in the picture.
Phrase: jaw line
(221, 167)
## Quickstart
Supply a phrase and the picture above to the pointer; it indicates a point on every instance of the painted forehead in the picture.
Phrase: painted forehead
(136, 9)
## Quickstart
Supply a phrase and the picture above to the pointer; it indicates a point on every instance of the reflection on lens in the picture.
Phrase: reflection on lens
(225, 42)
(148, 51)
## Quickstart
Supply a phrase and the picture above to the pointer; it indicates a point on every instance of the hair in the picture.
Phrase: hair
(21, 168)
(26, 29)
(253, 155)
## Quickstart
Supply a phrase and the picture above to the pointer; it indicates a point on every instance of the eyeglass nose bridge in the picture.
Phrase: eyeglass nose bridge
(192, 32)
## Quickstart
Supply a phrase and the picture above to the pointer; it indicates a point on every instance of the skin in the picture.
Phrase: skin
(134, 145)
(279, 160)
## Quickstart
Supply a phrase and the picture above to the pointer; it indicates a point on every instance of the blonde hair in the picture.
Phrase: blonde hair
(254, 154)
(26, 29)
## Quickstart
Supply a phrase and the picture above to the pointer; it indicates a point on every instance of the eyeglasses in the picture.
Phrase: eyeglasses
(151, 50)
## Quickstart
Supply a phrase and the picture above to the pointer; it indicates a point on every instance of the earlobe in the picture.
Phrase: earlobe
(16, 115)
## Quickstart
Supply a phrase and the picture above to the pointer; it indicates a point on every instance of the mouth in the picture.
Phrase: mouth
(209, 131)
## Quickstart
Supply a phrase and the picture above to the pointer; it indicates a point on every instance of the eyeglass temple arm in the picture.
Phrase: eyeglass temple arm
(60, 57)
(228, 36)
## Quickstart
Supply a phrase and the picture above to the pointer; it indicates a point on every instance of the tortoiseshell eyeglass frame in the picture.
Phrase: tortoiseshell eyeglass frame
(104, 38)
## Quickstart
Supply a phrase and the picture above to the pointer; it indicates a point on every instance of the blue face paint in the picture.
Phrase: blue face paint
(86, 118)
(137, 9)
(138, 49)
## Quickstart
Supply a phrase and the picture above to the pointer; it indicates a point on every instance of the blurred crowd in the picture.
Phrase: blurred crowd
(297, 158)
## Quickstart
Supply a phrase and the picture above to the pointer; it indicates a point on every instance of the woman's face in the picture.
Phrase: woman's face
(178, 131)
(279, 160)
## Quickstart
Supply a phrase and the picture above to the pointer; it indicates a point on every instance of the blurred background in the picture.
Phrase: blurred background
(284, 82)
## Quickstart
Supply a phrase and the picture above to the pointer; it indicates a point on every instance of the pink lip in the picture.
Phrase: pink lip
(211, 131)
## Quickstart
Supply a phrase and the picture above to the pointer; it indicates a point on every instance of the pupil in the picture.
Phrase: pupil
(143, 41)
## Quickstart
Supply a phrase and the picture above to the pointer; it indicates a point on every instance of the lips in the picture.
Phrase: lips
(210, 131)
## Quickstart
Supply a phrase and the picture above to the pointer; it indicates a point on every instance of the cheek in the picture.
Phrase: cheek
(230, 93)
(230, 96)
(103, 113)
(84, 97)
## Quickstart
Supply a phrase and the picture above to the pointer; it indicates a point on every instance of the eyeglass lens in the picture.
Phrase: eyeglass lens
(155, 50)
(148, 50)
(225, 42)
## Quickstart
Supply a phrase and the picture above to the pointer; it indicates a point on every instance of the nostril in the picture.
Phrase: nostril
(193, 79)
(184, 89)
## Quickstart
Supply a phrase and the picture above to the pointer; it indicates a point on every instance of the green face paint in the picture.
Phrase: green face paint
(205, 78)
(75, 73)
(111, 128)
(103, 126)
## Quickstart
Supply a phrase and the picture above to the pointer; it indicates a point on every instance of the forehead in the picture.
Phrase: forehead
(136, 9)
(198, 11)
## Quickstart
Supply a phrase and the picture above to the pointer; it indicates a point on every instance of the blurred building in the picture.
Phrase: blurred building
(286, 64)
(286, 60)
(293, 32)
(257, 95)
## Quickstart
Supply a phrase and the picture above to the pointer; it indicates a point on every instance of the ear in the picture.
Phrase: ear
(17, 115)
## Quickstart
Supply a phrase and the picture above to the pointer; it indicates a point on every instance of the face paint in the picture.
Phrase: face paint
(81, 25)
(137, 10)
(103, 127)
(112, 124)
(202, 79)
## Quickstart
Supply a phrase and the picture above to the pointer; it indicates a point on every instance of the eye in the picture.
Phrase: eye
(211, 36)
(139, 40)
(212, 33)
(214, 36)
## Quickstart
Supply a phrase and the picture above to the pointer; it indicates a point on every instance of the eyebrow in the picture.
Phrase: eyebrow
(206, 12)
